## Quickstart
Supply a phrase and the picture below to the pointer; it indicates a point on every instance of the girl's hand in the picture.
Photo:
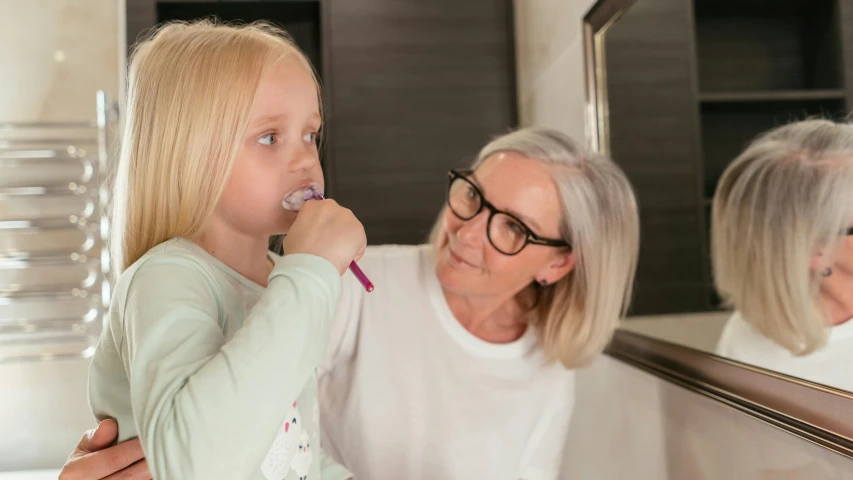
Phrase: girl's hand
(326, 229)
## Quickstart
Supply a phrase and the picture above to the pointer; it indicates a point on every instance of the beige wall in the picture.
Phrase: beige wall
(54, 56)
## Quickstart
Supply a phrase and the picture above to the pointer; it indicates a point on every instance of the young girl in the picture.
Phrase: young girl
(211, 344)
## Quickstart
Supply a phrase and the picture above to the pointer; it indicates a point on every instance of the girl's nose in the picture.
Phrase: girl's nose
(304, 158)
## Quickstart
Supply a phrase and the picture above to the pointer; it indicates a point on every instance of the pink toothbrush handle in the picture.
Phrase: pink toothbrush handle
(361, 277)
(354, 268)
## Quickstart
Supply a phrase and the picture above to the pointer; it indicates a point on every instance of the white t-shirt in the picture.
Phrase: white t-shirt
(407, 393)
(830, 365)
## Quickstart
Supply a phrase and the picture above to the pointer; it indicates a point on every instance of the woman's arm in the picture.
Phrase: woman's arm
(94, 459)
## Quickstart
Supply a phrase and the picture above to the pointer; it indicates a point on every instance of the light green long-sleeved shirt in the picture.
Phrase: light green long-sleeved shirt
(213, 372)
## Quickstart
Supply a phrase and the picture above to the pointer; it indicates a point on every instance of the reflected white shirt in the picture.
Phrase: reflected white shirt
(830, 365)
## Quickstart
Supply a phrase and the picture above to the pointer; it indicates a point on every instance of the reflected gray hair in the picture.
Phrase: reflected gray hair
(781, 202)
(575, 317)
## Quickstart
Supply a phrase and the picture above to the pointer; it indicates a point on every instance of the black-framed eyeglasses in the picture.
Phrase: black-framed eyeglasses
(506, 232)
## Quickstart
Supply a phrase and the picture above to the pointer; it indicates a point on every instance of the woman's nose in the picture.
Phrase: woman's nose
(473, 232)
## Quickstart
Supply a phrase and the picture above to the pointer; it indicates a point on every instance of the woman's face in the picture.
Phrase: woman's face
(845, 254)
(469, 265)
(837, 288)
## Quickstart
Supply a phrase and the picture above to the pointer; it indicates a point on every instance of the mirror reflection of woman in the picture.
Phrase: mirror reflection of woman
(782, 247)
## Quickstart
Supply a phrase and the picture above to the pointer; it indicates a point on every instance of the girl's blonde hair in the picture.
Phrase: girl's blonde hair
(575, 317)
(788, 196)
(191, 88)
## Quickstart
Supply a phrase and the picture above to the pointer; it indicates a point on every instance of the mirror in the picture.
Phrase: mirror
(679, 89)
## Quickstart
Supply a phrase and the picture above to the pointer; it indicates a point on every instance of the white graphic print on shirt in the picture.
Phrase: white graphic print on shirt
(290, 450)
(302, 460)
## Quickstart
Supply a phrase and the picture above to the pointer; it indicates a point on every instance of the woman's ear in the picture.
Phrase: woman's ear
(816, 263)
(559, 267)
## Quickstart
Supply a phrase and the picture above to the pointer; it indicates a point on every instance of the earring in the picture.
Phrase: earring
(826, 272)
(543, 283)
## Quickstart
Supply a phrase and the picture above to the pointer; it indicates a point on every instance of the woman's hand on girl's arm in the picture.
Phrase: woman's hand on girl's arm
(94, 459)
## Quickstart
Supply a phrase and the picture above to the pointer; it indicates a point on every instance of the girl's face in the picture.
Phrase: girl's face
(277, 155)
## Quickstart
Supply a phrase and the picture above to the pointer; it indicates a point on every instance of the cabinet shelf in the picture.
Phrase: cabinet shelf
(772, 96)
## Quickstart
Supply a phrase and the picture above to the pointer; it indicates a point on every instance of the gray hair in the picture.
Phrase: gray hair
(576, 316)
(783, 200)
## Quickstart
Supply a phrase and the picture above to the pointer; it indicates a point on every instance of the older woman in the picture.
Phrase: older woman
(459, 365)
(782, 237)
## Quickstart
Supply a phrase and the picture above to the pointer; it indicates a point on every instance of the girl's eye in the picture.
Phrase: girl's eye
(268, 139)
(310, 137)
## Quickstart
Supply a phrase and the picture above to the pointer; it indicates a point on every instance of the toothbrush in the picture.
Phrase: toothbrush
(368, 285)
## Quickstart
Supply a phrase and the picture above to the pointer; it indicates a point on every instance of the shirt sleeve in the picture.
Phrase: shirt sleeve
(544, 454)
(204, 407)
(343, 333)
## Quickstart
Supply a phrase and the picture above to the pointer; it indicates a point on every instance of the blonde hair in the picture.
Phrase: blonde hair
(576, 316)
(783, 200)
(191, 89)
